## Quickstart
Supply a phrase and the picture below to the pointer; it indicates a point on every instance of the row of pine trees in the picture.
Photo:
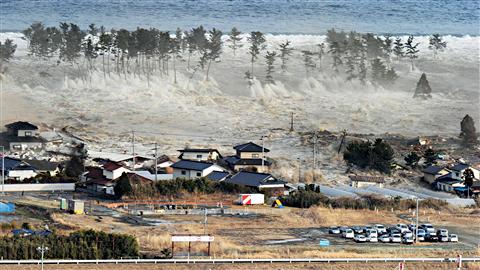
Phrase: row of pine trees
(80, 245)
(149, 52)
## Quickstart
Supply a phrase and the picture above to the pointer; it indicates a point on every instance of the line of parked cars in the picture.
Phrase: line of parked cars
(400, 233)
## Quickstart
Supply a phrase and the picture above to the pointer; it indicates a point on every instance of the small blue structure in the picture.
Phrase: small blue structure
(7, 207)
(324, 243)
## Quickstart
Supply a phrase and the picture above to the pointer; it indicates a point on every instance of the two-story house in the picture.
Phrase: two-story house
(200, 154)
(249, 157)
(189, 169)
(22, 136)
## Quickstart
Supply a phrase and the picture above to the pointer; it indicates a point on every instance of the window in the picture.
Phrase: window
(199, 156)
(255, 156)
(28, 133)
(184, 172)
(199, 174)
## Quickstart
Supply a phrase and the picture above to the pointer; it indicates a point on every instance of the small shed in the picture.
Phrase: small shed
(361, 181)
(76, 207)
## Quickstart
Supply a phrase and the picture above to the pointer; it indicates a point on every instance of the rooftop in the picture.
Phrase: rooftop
(42, 165)
(250, 147)
(111, 166)
(253, 179)
(217, 176)
(433, 169)
(21, 125)
(459, 167)
(191, 165)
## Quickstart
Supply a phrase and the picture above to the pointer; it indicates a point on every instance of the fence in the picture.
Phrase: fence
(232, 261)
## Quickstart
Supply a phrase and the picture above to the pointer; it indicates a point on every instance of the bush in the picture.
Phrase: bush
(377, 156)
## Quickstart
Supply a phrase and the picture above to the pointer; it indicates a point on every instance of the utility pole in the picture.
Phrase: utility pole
(156, 162)
(3, 170)
(344, 134)
(416, 224)
(263, 153)
(205, 223)
(42, 251)
(299, 171)
(291, 122)
(314, 154)
(133, 150)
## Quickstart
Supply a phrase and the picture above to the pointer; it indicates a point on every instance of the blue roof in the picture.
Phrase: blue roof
(253, 179)
(217, 176)
(433, 169)
(460, 167)
(191, 165)
(14, 164)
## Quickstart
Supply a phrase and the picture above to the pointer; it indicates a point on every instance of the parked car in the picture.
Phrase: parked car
(343, 229)
(360, 238)
(334, 230)
(396, 238)
(412, 227)
(430, 237)
(348, 234)
(372, 238)
(428, 228)
(393, 230)
(402, 227)
(442, 235)
(384, 238)
(407, 240)
(357, 229)
(408, 234)
(453, 238)
(380, 228)
(372, 232)
(421, 235)
(366, 228)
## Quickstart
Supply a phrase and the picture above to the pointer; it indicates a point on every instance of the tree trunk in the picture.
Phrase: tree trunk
(208, 67)
(174, 71)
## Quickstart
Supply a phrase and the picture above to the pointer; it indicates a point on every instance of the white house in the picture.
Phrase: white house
(432, 173)
(459, 168)
(113, 171)
(189, 169)
(23, 136)
(17, 169)
(207, 154)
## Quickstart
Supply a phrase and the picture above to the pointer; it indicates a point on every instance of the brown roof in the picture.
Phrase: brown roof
(367, 178)
(111, 166)
(103, 182)
(94, 173)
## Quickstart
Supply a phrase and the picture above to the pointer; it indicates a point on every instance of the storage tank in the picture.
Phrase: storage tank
(76, 207)
(251, 199)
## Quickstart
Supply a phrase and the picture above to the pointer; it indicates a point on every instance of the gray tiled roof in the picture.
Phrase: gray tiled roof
(250, 147)
(253, 179)
(191, 165)
(217, 176)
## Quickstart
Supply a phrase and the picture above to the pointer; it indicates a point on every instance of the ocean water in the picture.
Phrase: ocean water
(420, 17)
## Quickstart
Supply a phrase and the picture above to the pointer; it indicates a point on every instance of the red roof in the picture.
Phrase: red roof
(110, 166)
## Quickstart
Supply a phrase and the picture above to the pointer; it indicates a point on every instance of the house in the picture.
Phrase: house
(190, 169)
(17, 169)
(151, 176)
(259, 181)
(431, 173)
(217, 176)
(112, 170)
(97, 182)
(459, 168)
(475, 189)
(361, 181)
(199, 154)
(124, 159)
(448, 183)
(249, 156)
(22, 129)
(22, 136)
(44, 166)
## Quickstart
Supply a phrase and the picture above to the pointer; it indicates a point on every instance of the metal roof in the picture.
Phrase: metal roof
(433, 169)
(459, 167)
(250, 147)
(253, 179)
(217, 176)
(191, 165)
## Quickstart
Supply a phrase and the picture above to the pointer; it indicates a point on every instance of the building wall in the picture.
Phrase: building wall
(248, 167)
(192, 174)
(250, 155)
(21, 174)
(204, 156)
(360, 184)
(114, 174)
(20, 146)
(27, 133)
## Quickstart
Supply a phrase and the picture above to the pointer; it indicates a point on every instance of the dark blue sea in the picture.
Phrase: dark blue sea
(272, 16)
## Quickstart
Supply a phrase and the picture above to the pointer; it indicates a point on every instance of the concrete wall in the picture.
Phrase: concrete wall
(39, 187)
(205, 156)
(20, 146)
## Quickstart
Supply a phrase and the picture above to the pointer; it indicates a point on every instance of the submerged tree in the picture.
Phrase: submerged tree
(7, 50)
(398, 48)
(175, 50)
(257, 44)
(320, 53)
(308, 61)
(412, 159)
(423, 89)
(336, 52)
(468, 132)
(436, 44)
(285, 52)
(234, 40)
(411, 50)
(270, 60)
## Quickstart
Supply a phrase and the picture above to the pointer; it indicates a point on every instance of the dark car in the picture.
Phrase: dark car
(357, 229)
(430, 237)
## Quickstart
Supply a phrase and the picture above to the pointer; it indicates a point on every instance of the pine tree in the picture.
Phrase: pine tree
(362, 68)
(320, 53)
(378, 70)
(411, 50)
(234, 39)
(468, 132)
(387, 47)
(436, 44)
(412, 159)
(308, 61)
(257, 44)
(423, 89)
(285, 52)
(270, 60)
(336, 53)
(398, 48)
(214, 47)
(7, 50)
(175, 49)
